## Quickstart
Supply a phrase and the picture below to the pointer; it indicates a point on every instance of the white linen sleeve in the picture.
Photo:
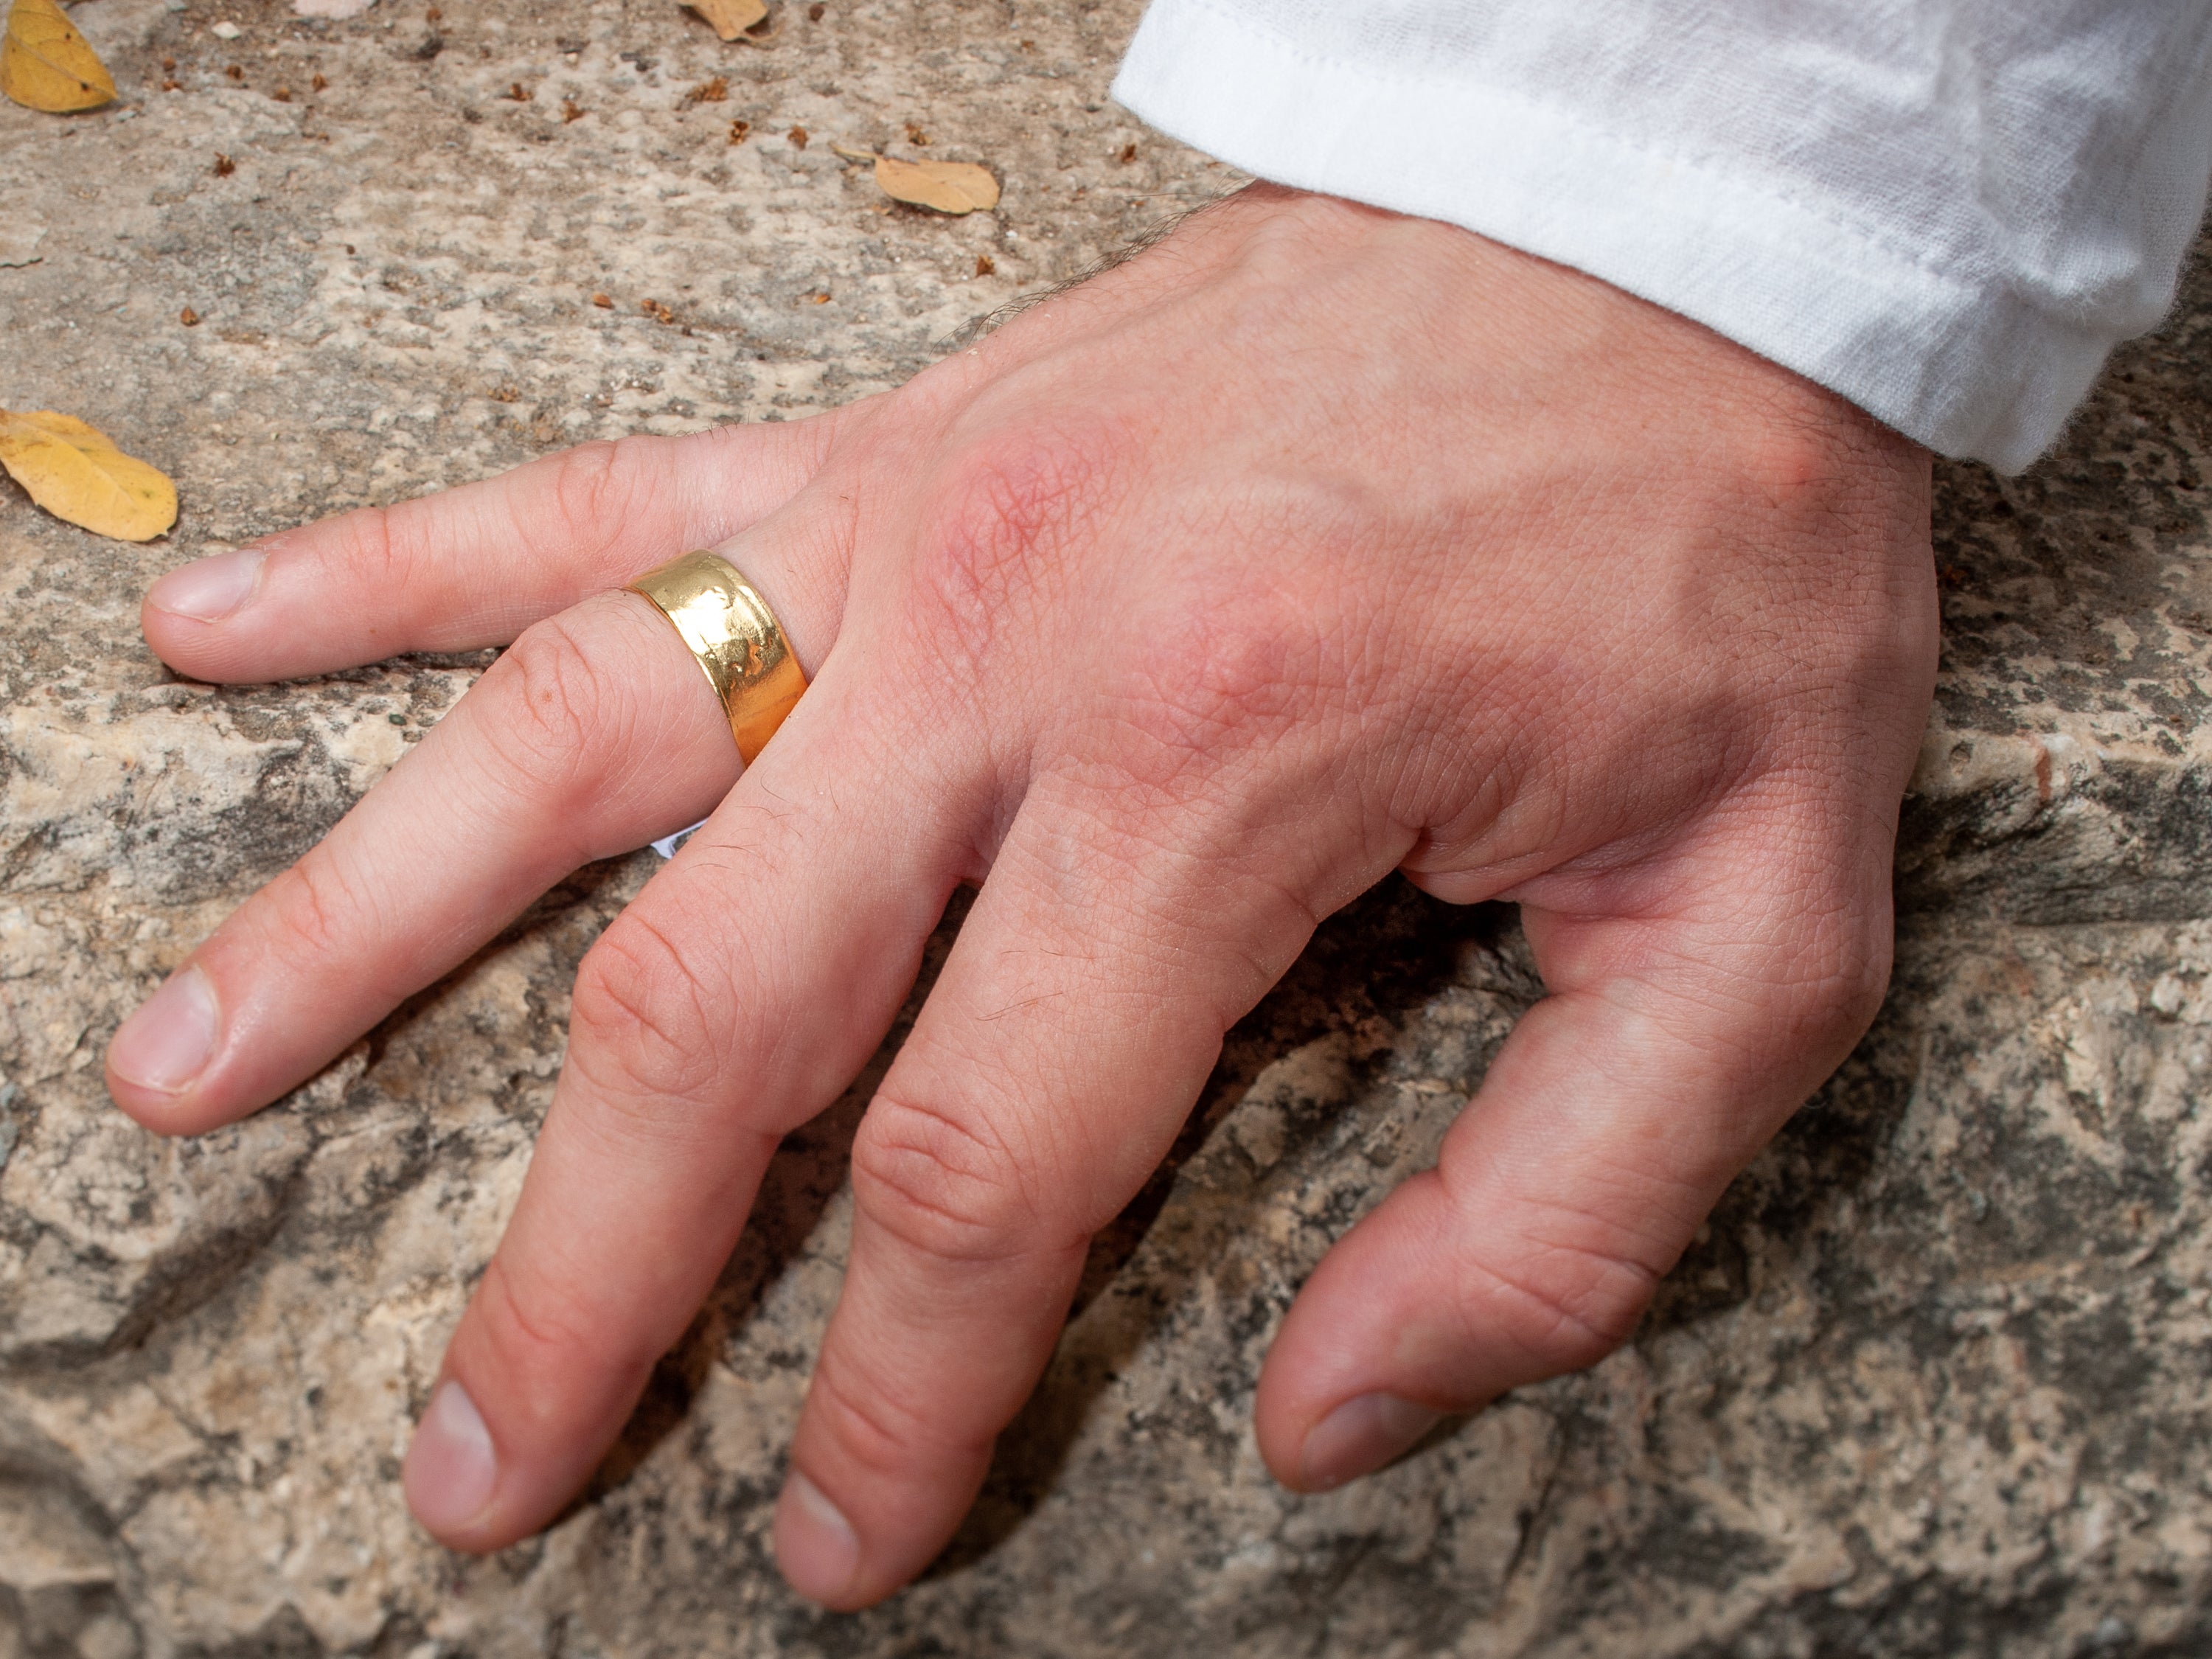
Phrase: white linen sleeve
(1948, 211)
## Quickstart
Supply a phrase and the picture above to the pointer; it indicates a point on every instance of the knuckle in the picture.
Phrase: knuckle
(595, 486)
(1572, 1292)
(1002, 512)
(641, 1019)
(312, 913)
(937, 1185)
(558, 701)
(869, 1419)
(1223, 676)
(529, 1330)
(1831, 1005)
(1864, 987)
(1816, 994)
(383, 545)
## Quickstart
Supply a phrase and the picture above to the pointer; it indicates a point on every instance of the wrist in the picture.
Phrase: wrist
(1529, 306)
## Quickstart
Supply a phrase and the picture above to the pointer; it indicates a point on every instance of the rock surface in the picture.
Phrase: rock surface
(1934, 1382)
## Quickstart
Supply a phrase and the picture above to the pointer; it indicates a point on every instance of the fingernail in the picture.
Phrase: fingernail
(815, 1545)
(451, 1467)
(1359, 1436)
(170, 1040)
(208, 590)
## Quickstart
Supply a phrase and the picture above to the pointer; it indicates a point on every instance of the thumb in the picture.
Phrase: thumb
(1671, 1048)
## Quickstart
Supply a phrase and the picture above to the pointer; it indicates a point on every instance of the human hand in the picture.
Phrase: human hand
(1310, 543)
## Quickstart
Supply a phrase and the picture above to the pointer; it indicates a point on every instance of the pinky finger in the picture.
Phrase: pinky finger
(1610, 1123)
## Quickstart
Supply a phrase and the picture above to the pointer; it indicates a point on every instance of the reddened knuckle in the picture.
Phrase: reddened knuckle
(641, 1008)
(935, 1184)
(1010, 493)
(1003, 508)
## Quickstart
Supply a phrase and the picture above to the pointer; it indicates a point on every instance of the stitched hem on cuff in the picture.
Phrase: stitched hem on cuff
(1965, 366)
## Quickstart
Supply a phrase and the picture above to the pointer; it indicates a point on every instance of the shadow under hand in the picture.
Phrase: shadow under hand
(1367, 970)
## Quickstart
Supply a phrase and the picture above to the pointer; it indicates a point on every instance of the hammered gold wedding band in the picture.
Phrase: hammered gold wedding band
(734, 637)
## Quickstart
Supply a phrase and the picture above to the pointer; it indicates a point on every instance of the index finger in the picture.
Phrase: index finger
(474, 566)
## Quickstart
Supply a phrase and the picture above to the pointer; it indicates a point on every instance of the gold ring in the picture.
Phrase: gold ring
(734, 637)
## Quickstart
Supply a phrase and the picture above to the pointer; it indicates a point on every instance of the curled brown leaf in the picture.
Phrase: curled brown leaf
(954, 188)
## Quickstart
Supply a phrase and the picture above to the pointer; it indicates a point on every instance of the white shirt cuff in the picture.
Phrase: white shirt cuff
(1968, 365)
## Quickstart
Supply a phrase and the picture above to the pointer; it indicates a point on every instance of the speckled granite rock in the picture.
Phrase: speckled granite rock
(1934, 1382)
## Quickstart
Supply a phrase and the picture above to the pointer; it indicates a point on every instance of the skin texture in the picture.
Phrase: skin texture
(1311, 543)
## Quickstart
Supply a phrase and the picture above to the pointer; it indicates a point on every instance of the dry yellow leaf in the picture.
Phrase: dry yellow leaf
(76, 473)
(948, 187)
(45, 63)
(731, 18)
